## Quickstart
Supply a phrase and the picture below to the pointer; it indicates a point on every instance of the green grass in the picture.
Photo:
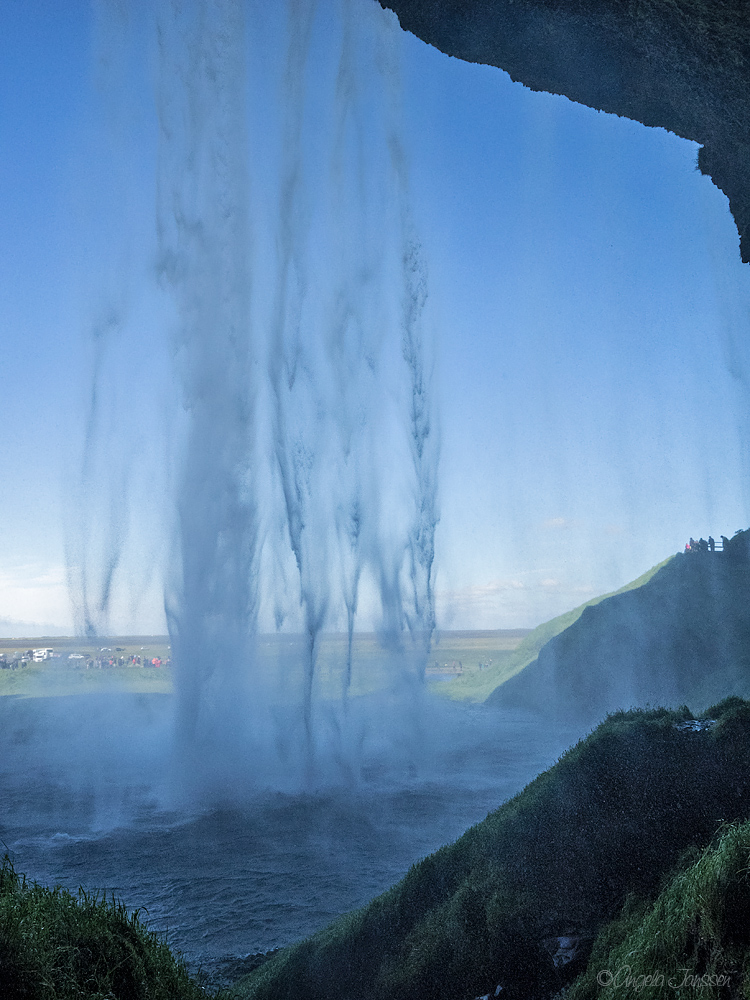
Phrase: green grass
(56, 946)
(40, 680)
(682, 636)
(612, 819)
(694, 939)
(62, 676)
(374, 668)
(281, 655)
(476, 685)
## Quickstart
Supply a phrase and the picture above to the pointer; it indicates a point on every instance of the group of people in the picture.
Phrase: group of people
(704, 546)
(103, 662)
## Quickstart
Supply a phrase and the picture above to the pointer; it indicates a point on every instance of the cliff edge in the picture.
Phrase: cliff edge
(683, 65)
(682, 637)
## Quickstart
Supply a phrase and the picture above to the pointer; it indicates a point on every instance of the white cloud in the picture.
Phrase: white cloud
(521, 601)
(484, 590)
(557, 523)
(35, 593)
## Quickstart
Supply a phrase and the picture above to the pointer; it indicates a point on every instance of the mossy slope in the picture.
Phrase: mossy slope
(694, 939)
(682, 637)
(610, 819)
(478, 686)
(55, 946)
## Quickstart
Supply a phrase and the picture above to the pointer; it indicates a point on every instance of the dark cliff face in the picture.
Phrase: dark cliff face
(682, 638)
(680, 64)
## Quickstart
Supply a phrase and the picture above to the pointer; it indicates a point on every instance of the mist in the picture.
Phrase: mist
(302, 483)
(278, 455)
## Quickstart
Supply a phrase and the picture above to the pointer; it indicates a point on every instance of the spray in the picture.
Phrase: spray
(305, 451)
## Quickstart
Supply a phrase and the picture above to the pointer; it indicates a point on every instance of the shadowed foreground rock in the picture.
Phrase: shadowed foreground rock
(683, 637)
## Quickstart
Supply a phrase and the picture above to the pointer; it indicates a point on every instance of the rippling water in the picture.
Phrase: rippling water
(86, 802)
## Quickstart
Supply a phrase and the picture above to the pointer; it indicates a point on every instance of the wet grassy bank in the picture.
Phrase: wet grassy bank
(610, 822)
(58, 946)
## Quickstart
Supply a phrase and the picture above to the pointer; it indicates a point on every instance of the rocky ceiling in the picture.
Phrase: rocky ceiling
(680, 64)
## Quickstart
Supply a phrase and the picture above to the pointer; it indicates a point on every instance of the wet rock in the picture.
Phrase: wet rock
(488, 996)
(681, 65)
(695, 725)
(562, 949)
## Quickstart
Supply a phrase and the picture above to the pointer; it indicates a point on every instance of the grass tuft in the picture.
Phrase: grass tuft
(695, 937)
(56, 946)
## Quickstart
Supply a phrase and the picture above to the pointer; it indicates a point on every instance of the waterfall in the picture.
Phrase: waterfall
(306, 446)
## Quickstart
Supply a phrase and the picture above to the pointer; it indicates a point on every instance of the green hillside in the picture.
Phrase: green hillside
(57, 946)
(537, 881)
(694, 938)
(478, 685)
(682, 636)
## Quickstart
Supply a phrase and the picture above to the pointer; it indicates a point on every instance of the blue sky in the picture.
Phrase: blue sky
(586, 298)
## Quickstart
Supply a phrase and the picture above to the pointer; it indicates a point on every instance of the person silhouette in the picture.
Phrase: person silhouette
(711, 544)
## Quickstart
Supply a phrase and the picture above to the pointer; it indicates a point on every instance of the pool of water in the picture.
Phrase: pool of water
(86, 786)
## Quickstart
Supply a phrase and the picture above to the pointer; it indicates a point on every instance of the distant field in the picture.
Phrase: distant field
(63, 676)
(477, 685)
(455, 654)
(452, 654)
